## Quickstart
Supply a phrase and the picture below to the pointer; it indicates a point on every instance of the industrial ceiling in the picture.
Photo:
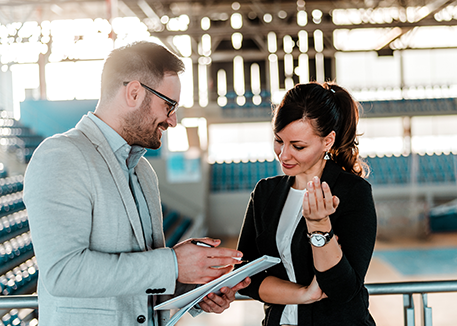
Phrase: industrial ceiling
(36, 10)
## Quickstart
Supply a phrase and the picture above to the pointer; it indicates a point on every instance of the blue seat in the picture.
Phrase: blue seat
(178, 232)
(169, 220)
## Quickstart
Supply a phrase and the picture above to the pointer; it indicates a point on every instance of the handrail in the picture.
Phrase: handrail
(402, 288)
(412, 287)
(19, 301)
(407, 289)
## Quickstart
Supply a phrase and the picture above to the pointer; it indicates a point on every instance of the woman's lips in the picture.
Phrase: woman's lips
(288, 166)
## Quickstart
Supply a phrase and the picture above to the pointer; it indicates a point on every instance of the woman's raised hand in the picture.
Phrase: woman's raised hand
(318, 202)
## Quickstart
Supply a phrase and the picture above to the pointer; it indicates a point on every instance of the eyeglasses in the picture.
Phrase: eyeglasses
(173, 104)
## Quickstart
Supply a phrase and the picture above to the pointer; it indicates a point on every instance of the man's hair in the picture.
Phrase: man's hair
(143, 61)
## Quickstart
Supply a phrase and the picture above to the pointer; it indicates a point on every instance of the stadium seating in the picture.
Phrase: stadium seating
(18, 268)
(175, 225)
(444, 217)
(385, 171)
(240, 176)
(18, 139)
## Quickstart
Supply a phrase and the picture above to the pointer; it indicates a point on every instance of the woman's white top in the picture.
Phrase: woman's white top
(290, 217)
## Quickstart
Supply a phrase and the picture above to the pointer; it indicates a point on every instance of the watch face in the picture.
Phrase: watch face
(318, 240)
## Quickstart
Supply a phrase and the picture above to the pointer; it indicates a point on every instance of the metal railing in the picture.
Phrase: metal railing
(19, 301)
(407, 289)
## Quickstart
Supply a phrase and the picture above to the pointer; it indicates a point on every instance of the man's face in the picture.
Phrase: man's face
(146, 125)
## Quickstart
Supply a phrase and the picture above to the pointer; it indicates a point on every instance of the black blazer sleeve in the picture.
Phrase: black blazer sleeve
(247, 245)
(354, 223)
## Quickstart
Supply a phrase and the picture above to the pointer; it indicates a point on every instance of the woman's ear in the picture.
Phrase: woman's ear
(329, 140)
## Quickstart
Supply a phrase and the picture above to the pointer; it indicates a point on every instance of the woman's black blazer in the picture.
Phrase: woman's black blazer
(354, 222)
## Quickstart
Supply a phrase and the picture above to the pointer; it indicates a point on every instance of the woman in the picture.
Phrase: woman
(319, 217)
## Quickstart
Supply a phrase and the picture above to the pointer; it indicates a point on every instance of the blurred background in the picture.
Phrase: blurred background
(397, 57)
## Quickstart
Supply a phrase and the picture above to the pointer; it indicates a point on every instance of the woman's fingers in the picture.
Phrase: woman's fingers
(306, 210)
(318, 201)
(327, 195)
(312, 196)
(320, 204)
(336, 202)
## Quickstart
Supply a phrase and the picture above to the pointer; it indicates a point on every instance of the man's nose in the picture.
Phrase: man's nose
(172, 120)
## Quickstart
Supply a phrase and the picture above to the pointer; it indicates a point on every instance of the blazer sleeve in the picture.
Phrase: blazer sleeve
(247, 245)
(356, 231)
(59, 197)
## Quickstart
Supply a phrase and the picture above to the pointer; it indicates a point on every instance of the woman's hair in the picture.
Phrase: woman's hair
(328, 107)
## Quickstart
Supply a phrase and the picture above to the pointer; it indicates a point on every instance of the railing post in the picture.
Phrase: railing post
(408, 308)
(426, 311)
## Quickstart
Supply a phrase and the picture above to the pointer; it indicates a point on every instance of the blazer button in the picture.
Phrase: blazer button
(141, 319)
(155, 291)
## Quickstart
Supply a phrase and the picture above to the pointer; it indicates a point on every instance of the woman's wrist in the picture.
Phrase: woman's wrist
(323, 224)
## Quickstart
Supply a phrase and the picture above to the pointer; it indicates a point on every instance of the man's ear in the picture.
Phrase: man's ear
(329, 140)
(132, 93)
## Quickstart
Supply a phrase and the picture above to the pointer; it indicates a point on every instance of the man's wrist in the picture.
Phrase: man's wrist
(176, 263)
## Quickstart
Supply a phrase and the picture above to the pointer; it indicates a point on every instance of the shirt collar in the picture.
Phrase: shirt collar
(128, 156)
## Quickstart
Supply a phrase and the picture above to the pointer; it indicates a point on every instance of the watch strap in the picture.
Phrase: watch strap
(329, 235)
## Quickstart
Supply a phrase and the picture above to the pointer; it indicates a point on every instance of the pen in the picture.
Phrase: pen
(200, 243)
(204, 244)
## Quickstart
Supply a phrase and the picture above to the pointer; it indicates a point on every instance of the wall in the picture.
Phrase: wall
(226, 212)
(188, 198)
(6, 90)
(47, 118)
(402, 210)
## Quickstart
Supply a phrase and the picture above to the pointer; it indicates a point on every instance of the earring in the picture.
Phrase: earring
(326, 156)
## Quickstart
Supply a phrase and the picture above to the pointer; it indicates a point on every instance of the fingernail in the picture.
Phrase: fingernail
(310, 185)
(316, 180)
(324, 184)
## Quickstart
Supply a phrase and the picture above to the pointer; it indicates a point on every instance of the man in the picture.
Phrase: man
(94, 205)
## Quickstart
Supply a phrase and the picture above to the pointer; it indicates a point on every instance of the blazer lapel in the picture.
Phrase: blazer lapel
(273, 209)
(93, 133)
(151, 193)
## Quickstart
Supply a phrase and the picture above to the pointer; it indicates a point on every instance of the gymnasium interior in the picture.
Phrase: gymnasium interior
(396, 57)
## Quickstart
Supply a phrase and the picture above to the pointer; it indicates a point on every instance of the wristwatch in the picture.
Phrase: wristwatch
(319, 239)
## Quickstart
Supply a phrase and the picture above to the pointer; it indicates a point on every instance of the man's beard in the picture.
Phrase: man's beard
(141, 127)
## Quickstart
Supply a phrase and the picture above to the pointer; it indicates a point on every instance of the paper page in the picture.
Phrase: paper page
(229, 279)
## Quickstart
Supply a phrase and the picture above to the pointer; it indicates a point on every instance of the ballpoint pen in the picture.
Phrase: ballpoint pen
(204, 244)
(200, 243)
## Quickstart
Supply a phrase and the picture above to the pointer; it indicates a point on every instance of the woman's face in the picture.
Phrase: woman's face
(300, 150)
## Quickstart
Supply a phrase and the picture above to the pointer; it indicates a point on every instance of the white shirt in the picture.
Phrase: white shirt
(288, 221)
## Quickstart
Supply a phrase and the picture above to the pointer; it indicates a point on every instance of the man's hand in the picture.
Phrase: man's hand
(218, 303)
(199, 265)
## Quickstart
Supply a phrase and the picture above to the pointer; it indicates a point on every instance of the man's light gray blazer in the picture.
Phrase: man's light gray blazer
(93, 265)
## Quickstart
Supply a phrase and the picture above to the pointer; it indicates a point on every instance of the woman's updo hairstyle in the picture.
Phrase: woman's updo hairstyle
(328, 107)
